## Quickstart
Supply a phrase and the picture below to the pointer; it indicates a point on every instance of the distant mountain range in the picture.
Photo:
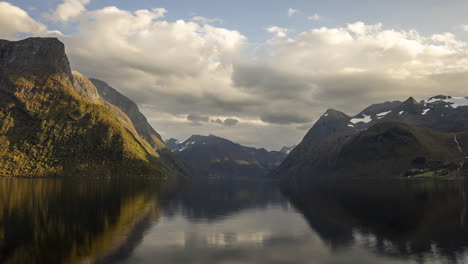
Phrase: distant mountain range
(57, 122)
(215, 157)
(392, 139)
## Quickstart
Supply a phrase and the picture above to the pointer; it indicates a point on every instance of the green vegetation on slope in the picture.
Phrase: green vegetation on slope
(47, 129)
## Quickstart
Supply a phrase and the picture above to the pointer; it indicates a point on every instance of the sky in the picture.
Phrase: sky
(259, 73)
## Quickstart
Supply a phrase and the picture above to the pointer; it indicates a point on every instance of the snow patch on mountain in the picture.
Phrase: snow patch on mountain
(182, 149)
(454, 102)
(365, 119)
(381, 115)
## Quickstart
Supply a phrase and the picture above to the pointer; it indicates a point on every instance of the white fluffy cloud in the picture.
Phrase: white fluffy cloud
(278, 31)
(350, 67)
(181, 68)
(292, 11)
(14, 20)
(206, 20)
(69, 9)
(314, 17)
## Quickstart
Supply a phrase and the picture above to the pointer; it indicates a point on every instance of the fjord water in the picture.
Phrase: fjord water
(121, 221)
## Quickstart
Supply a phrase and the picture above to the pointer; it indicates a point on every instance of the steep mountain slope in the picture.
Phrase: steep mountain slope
(393, 139)
(129, 113)
(140, 122)
(211, 156)
(286, 150)
(47, 128)
(85, 88)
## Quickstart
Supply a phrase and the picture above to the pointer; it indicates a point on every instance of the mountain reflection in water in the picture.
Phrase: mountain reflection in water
(103, 221)
(70, 221)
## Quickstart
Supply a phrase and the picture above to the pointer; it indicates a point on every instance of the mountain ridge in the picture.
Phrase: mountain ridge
(216, 157)
(325, 149)
(47, 128)
(139, 124)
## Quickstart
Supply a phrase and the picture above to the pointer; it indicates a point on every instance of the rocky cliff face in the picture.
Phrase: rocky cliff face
(33, 57)
(47, 128)
(85, 88)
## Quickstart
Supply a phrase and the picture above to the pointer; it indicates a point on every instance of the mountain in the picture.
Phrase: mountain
(139, 124)
(392, 139)
(215, 157)
(52, 121)
(172, 144)
(286, 150)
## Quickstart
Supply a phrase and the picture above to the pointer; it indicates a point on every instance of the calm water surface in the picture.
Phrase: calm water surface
(103, 221)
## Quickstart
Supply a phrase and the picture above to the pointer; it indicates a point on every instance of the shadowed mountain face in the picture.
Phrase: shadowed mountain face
(399, 218)
(393, 139)
(123, 106)
(52, 121)
(215, 157)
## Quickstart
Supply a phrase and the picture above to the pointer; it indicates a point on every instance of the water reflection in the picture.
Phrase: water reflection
(68, 221)
(120, 221)
(424, 221)
(351, 222)
(212, 199)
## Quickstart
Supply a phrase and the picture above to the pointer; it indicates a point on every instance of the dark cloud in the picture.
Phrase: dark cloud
(198, 118)
(284, 118)
(230, 122)
(269, 82)
(227, 122)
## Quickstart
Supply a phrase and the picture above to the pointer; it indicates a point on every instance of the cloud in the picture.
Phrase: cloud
(292, 12)
(279, 31)
(159, 12)
(198, 118)
(206, 20)
(314, 17)
(14, 21)
(285, 118)
(230, 122)
(183, 65)
(218, 121)
(69, 9)
(465, 28)
(348, 68)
